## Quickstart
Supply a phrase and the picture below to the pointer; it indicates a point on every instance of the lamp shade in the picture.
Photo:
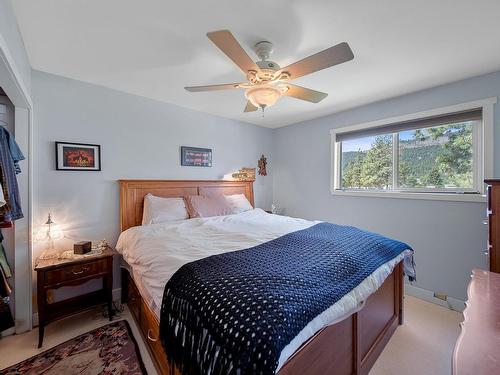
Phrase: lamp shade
(263, 96)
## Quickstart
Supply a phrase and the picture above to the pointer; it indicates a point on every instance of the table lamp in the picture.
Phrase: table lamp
(49, 233)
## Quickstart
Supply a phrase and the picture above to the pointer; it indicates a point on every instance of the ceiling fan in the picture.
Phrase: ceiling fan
(267, 82)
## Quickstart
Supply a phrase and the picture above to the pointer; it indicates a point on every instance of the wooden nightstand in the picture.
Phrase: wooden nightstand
(56, 273)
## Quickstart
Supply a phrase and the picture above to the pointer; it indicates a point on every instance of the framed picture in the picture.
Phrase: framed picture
(196, 157)
(78, 157)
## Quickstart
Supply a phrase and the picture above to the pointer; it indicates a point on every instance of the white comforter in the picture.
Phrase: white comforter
(155, 252)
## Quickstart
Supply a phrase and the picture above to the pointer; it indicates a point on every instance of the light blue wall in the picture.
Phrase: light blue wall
(9, 31)
(140, 138)
(448, 237)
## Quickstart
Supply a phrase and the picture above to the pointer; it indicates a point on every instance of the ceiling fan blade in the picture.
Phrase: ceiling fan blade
(303, 93)
(224, 86)
(329, 57)
(250, 107)
(228, 44)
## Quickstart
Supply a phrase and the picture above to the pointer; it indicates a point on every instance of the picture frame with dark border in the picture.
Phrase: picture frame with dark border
(196, 156)
(71, 156)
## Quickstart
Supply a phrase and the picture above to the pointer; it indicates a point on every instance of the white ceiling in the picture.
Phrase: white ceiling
(154, 48)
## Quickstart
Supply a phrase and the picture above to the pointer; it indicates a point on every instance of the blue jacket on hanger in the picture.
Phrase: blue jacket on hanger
(10, 155)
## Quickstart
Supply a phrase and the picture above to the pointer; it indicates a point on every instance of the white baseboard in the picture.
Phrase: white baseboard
(427, 295)
(117, 298)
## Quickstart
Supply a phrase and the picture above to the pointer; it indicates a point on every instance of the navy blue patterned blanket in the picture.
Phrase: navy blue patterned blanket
(234, 313)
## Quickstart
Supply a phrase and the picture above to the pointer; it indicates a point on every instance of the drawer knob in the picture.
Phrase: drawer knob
(150, 338)
(84, 269)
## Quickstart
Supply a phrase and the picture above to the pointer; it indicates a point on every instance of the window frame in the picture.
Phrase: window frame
(482, 156)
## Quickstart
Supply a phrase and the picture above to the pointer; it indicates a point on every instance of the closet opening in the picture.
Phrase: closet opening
(7, 235)
(16, 118)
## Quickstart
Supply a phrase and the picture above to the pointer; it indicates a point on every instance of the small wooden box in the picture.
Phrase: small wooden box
(82, 247)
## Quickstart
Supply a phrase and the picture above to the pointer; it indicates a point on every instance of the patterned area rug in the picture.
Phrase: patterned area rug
(110, 349)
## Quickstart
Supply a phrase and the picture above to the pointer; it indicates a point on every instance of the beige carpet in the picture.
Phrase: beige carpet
(423, 345)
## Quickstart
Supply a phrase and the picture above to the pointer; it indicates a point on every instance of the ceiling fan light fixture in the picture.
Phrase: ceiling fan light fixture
(266, 80)
(263, 96)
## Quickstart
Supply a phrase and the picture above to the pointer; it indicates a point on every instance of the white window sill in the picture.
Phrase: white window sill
(408, 195)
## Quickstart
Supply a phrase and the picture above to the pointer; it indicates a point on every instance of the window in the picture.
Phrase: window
(440, 157)
(439, 154)
(367, 163)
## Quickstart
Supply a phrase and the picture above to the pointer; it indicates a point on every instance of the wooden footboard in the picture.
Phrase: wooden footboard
(349, 347)
(353, 345)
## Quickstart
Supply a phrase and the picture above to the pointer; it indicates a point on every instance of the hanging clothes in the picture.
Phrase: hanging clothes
(2, 198)
(15, 151)
(5, 289)
(10, 155)
(4, 264)
(6, 320)
(10, 209)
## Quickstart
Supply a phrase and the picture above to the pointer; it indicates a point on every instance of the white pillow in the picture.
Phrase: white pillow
(160, 210)
(238, 203)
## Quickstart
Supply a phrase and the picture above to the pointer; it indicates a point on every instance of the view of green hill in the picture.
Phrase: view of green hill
(435, 157)
(418, 160)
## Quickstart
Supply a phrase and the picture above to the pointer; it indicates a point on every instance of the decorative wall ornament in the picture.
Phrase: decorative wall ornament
(275, 209)
(245, 174)
(262, 166)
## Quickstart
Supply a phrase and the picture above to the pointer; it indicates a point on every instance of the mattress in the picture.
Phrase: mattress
(155, 252)
(146, 295)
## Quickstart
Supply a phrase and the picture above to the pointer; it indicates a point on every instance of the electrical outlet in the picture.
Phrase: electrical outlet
(441, 296)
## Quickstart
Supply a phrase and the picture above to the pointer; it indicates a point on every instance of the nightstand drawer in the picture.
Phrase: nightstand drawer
(75, 272)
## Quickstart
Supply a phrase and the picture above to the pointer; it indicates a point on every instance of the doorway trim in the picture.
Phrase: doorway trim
(14, 86)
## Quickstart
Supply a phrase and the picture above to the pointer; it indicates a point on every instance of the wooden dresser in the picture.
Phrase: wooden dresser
(477, 351)
(494, 224)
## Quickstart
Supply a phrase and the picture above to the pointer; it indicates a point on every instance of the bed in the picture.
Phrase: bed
(348, 343)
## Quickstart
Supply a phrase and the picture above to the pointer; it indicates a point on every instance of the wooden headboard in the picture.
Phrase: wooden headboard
(132, 194)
